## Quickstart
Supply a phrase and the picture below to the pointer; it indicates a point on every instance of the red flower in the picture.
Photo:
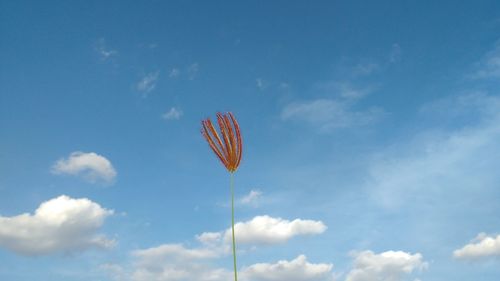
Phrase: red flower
(229, 149)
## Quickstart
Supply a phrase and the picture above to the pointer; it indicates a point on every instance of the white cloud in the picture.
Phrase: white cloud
(148, 83)
(170, 262)
(489, 66)
(386, 266)
(60, 225)
(173, 114)
(176, 263)
(261, 230)
(104, 52)
(330, 114)
(264, 230)
(251, 198)
(298, 269)
(482, 246)
(173, 251)
(269, 230)
(91, 166)
(180, 272)
(209, 238)
(192, 71)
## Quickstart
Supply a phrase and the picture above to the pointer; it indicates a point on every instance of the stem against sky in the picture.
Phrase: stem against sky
(232, 225)
(229, 151)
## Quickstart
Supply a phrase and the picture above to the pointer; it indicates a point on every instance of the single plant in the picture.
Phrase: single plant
(229, 150)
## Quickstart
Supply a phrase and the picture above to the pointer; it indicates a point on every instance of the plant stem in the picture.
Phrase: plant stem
(232, 227)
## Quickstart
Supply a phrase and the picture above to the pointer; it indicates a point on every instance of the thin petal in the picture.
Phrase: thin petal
(238, 138)
(232, 141)
(216, 136)
(211, 143)
(224, 133)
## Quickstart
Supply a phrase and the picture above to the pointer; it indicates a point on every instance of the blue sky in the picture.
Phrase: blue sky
(371, 140)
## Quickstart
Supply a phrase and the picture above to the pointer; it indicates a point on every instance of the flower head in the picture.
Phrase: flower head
(229, 148)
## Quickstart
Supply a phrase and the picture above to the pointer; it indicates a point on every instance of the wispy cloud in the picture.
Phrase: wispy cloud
(489, 65)
(438, 160)
(338, 102)
(174, 73)
(343, 89)
(483, 246)
(104, 52)
(395, 54)
(252, 198)
(91, 166)
(148, 83)
(192, 70)
(367, 68)
(189, 72)
(59, 225)
(330, 114)
(173, 114)
(284, 86)
(261, 84)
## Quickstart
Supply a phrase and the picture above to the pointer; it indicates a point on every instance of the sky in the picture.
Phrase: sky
(371, 140)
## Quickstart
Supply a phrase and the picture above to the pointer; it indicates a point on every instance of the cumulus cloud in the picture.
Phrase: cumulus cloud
(209, 238)
(60, 225)
(148, 82)
(269, 230)
(178, 262)
(90, 166)
(387, 266)
(265, 230)
(330, 114)
(173, 114)
(482, 246)
(170, 262)
(298, 269)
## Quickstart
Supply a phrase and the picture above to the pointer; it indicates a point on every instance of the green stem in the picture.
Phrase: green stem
(232, 227)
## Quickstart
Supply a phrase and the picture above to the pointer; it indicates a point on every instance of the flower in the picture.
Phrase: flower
(229, 149)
